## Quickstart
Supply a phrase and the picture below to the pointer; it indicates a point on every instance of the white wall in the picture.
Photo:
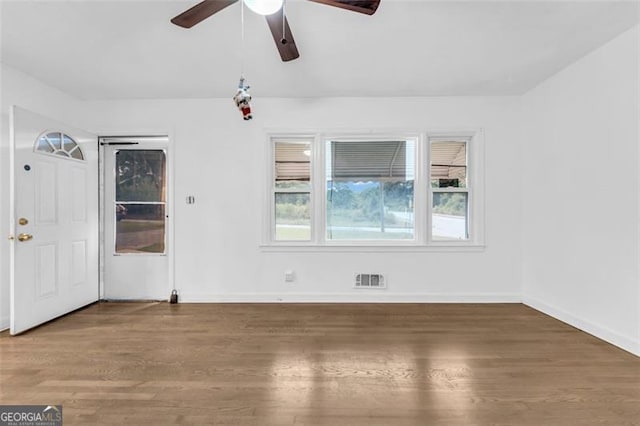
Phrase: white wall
(27, 92)
(220, 159)
(580, 186)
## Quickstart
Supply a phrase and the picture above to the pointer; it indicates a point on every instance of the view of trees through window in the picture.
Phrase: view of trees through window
(454, 204)
(293, 216)
(370, 210)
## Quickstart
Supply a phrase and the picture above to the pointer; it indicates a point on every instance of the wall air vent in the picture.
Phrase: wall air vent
(370, 281)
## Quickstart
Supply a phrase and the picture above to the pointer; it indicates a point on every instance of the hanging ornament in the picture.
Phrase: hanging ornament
(243, 99)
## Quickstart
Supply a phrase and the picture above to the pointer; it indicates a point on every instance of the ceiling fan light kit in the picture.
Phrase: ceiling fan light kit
(264, 7)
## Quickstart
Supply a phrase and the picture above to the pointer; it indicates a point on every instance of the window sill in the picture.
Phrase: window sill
(369, 248)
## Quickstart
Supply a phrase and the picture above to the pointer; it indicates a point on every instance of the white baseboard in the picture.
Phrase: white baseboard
(367, 296)
(603, 333)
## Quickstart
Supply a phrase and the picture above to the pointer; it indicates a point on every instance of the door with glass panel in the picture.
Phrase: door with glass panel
(54, 219)
(135, 219)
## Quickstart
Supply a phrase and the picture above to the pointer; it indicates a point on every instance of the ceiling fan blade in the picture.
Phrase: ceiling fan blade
(200, 12)
(367, 7)
(286, 45)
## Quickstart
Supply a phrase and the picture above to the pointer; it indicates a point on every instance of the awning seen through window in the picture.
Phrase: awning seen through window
(370, 160)
(449, 164)
(292, 161)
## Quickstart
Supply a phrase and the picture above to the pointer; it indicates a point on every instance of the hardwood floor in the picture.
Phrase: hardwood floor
(319, 364)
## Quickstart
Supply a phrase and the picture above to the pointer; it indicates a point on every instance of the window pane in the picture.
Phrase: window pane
(292, 165)
(140, 175)
(44, 145)
(370, 190)
(450, 216)
(140, 228)
(293, 217)
(448, 164)
(71, 147)
(55, 139)
(59, 144)
(76, 153)
(371, 210)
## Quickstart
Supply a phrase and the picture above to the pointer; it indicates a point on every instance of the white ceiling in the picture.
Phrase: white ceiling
(128, 49)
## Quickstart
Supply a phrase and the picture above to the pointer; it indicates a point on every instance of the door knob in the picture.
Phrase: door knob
(24, 237)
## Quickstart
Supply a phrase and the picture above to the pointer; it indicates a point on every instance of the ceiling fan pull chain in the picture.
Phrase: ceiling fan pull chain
(242, 39)
(284, 34)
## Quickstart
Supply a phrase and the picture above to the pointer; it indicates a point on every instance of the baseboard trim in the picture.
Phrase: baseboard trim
(371, 296)
(623, 342)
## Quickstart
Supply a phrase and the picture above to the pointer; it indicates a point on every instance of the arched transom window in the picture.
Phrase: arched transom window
(58, 143)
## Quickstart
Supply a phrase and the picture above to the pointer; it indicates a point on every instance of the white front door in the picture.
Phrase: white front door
(54, 217)
(136, 243)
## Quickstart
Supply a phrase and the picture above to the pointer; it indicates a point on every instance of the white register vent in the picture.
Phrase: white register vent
(370, 281)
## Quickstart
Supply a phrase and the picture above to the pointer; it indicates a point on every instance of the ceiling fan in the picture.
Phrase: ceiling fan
(274, 13)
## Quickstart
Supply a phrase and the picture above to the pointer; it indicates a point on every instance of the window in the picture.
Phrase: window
(58, 143)
(420, 190)
(292, 191)
(140, 201)
(370, 190)
(449, 190)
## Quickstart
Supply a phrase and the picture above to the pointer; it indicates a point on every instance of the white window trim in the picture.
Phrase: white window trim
(269, 224)
(423, 241)
(321, 177)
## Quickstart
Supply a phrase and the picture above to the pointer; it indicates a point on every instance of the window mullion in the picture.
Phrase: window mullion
(271, 204)
(450, 190)
(422, 220)
(318, 189)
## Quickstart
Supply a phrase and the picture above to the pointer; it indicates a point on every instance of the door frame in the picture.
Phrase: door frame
(170, 237)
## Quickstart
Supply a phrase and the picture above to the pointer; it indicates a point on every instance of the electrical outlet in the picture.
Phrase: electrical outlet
(288, 276)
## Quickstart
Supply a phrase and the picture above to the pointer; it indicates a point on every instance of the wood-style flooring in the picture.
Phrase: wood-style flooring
(319, 364)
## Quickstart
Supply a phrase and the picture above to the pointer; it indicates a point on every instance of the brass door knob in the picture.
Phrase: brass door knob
(24, 237)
